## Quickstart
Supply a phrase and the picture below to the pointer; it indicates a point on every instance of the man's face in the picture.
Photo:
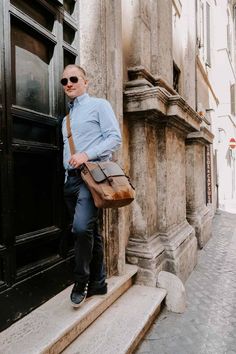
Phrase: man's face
(74, 89)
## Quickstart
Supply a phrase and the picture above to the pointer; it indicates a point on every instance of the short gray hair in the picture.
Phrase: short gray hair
(77, 67)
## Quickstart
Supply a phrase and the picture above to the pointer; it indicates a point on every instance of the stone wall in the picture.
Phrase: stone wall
(161, 228)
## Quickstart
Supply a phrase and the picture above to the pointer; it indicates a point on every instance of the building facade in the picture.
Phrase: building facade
(224, 123)
(150, 59)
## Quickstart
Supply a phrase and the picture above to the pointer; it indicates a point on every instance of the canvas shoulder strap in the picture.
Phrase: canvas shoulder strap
(69, 135)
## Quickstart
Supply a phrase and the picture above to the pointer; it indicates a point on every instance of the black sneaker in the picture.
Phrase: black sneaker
(78, 294)
(97, 291)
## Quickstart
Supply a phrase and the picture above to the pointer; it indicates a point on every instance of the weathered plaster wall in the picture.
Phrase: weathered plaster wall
(195, 171)
(184, 48)
(176, 206)
(143, 146)
(161, 39)
(93, 45)
(101, 55)
(136, 32)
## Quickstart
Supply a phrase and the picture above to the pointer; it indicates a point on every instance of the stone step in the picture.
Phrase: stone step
(54, 325)
(120, 328)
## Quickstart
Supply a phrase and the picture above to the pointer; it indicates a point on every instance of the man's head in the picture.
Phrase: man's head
(74, 81)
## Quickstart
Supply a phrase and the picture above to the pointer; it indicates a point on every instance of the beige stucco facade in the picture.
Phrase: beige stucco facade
(224, 125)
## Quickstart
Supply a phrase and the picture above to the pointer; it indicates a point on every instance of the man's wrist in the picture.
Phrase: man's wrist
(85, 156)
(92, 154)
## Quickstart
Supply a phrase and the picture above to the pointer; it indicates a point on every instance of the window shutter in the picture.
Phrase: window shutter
(232, 99)
(208, 34)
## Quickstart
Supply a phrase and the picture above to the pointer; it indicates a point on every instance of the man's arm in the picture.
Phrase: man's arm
(110, 131)
(111, 137)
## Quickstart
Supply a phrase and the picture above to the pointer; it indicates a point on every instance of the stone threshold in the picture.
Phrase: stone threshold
(121, 327)
(54, 325)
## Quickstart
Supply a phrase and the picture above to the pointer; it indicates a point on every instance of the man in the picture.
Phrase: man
(96, 135)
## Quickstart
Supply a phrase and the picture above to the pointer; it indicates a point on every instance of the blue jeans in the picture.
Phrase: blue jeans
(89, 254)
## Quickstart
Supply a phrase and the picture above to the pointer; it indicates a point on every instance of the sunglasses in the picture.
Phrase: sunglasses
(73, 79)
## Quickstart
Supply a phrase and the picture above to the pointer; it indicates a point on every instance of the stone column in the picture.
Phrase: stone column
(177, 236)
(199, 212)
(161, 237)
(145, 248)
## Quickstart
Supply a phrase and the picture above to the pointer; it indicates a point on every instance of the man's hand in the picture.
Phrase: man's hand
(78, 159)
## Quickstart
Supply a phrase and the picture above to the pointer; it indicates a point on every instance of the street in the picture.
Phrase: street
(208, 326)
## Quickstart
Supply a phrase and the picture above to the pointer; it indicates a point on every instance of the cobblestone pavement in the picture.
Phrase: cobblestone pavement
(209, 323)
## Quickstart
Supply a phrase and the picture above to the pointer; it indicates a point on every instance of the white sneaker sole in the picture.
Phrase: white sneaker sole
(78, 305)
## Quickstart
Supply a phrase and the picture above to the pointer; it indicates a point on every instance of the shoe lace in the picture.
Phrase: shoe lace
(80, 287)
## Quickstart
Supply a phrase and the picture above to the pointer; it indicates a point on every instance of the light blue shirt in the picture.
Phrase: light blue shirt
(94, 127)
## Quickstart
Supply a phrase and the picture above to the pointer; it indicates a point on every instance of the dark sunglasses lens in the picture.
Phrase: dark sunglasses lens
(64, 82)
(74, 79)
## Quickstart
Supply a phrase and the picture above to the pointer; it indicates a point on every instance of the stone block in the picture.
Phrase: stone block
(176, 295)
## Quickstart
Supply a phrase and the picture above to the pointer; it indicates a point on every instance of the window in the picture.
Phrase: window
(208, 35)
(30, 67)
(176, 77)
(204, 31)
(177, 6)
(37, 12)
(229, 36)
(232, 99)
(200, 24)
(69, 6)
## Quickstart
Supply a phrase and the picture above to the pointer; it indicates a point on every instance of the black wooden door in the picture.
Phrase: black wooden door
(37, 38)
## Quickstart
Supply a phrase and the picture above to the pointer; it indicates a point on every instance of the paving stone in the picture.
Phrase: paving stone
(208, 326)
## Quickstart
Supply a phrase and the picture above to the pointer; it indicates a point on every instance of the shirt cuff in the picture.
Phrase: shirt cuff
(92, 154)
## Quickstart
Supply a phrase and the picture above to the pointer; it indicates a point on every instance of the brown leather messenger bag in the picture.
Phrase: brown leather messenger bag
(107, 182)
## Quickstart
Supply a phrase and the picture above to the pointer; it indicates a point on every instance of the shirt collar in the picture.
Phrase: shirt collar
(78, 100)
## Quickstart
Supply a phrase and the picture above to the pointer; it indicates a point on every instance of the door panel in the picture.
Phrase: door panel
(1, 211)
(37, 12)
(25, 130)
(32, 215)
(34, 256)
(30, 67)
(2, 189)
(1, 272)
(34, 176)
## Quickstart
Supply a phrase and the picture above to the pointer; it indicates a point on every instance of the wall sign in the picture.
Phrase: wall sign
(208, 175)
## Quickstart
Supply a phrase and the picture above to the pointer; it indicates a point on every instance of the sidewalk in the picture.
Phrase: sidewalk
(228, 205)
(208, 326)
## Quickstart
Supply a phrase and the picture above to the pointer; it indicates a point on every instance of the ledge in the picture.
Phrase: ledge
(159, 105)
(204, 136)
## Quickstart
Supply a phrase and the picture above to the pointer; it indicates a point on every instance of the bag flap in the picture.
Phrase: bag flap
(104, 170)
(97, 174)
(111, 169)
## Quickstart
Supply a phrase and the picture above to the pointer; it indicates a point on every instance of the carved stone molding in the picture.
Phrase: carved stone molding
(204, 137)
(157, 104)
